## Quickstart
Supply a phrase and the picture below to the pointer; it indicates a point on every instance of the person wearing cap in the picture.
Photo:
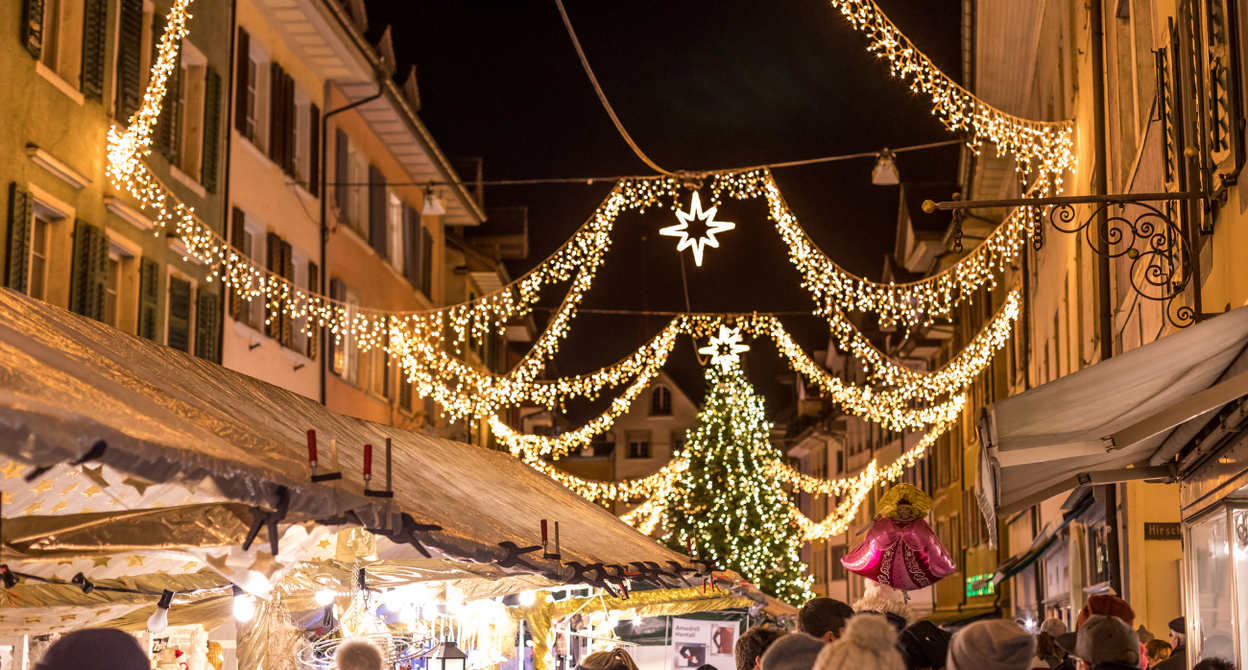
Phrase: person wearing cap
(795, 651)
(995, 644)
(1104, 643)
(1178, 639)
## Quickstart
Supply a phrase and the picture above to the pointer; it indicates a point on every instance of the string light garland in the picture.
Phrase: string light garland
(1043, 148)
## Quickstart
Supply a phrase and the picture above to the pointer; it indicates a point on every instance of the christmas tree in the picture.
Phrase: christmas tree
(725, 506)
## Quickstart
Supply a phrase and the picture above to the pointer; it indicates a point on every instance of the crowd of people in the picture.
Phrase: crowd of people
(831, 635)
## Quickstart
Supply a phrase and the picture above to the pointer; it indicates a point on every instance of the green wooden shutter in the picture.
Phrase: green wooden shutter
(411, 246)
(89, 272)
(288, 271)
(149, 297)
(129, 59)
(212, 129)
(377, 211)
(273, 258)
(277, 114)
(32, 27)
(94, 32)
(17, 257)
(170, 115)
(314, 331)
(208, 325)
(314, 151)
(179, 314)
(238, 234)
(426, 262)
(242, 63)
(341, 158)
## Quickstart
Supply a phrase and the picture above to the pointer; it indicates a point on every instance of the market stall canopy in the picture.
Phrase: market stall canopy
(87, 408)
(1118, 420)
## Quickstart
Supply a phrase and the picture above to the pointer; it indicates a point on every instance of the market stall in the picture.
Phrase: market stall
(128, 469)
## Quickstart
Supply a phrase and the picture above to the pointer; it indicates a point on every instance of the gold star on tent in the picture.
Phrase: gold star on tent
(69, 488)
(33, 508)
(11, 470)
(698, 244)
(45, 485)
(264, 564)
(100, 561)
(190, 566)
(138, 484)
(218, 564)
(58, 507)
(6, 498)
(134, 561)
(95, 474)
(69, 617)
(323, 544)
(725, 348)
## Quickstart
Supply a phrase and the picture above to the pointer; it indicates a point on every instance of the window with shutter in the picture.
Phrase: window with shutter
(405, 392)
(238, 240)
(377, 211)
(208, 325)
(17, 256)
(32, 27)
(212, 130)
(273, 261)
(244, 91)
(383, 355)
(149, 294)
(89, 271)
(314, 150)
(129, 94)
(179, 322)
(94, 33)
(342, 197)
(289, 151)
(426, 262)
(314, 330)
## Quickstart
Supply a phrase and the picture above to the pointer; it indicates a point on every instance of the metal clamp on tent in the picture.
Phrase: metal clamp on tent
(260, 517)
(406, 533)
(514, 552)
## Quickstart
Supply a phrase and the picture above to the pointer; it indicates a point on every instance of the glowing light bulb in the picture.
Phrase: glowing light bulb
(407, 614)
(244, 609)
(325, 597)
(528, 598)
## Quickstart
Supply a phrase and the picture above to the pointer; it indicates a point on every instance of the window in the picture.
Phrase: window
(639, 444)
(39, 236)
(678, 440)
(838, 569)
(660, 401)
(299, 327)
(379, 371)
(394, 228)
(352, 360)
(194, 111)
(251, 96)
(357, 190)
(62, 46)
(252, 77)
(253, 248)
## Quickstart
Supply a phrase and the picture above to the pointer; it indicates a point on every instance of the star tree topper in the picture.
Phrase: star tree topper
(699, 244)
(725, 348)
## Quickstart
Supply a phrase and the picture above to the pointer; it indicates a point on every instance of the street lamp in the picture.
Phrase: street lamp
(885, 172)
(433, 206)
(447, 656)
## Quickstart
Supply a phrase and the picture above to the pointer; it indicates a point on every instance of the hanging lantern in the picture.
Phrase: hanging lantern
(885, 172)
(447, 656)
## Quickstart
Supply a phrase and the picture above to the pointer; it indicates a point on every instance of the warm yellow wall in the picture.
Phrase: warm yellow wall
(1154, 586)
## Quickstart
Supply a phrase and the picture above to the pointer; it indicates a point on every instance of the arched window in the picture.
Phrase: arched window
(660, 401)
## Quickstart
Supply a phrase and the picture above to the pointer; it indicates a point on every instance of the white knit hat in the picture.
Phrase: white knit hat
(869, 643)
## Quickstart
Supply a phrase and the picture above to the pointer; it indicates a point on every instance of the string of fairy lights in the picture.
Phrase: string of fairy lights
(422, 340)
(1043, 148)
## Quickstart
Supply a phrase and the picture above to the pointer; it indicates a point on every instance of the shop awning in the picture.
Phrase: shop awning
(1016, 564)
(134, 434)
(1103, 423)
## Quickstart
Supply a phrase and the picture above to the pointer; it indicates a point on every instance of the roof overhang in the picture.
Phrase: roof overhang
(1106, 422)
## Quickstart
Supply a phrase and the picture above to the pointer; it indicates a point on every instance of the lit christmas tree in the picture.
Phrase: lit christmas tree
(724, 505)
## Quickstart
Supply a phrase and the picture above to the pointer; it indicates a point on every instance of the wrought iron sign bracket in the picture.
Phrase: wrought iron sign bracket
(1153, 235)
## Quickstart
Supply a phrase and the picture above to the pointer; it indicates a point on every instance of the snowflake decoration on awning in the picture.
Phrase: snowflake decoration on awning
(699, 244)
(725, 349)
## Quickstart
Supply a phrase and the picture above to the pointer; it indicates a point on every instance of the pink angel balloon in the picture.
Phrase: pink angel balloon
(900, 549)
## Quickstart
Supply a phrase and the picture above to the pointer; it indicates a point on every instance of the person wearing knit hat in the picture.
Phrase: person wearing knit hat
(869, 643)
(96, 648)
(1107, 643)
(995, 644)
(1107, 605)
(795, 651)
(1178, 640)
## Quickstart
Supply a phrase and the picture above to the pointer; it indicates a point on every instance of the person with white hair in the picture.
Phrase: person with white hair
(358, 653)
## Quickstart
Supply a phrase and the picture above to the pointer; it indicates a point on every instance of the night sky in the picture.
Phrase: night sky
(699, 84)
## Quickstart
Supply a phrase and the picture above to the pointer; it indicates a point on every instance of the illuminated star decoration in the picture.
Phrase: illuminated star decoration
(699, 244)
(725, 348)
